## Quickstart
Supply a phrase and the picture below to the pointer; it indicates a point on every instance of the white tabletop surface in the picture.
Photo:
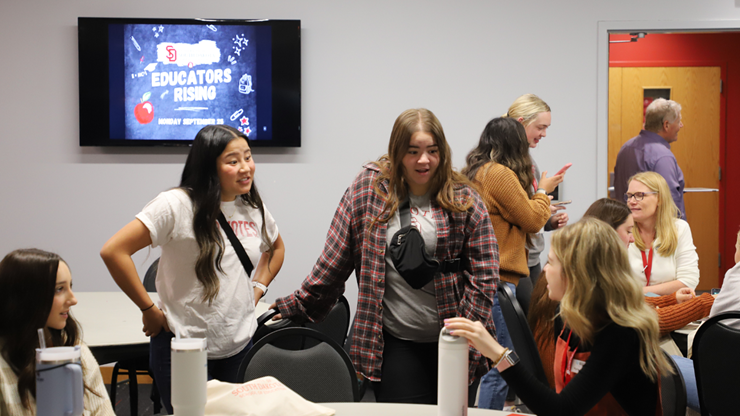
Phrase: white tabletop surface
(393, 409)
(111, 318)
(689, 328)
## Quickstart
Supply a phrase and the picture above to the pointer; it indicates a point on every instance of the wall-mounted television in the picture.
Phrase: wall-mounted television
(157, 82)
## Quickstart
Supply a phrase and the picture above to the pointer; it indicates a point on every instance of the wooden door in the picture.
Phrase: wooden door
(697, 89)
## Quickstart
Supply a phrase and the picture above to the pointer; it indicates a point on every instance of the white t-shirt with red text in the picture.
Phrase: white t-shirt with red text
(229, 322)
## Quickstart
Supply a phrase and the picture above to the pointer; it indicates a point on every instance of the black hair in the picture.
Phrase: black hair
(200, 181)
(503, 141)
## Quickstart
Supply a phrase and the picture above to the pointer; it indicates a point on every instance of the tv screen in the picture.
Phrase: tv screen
(157, 82)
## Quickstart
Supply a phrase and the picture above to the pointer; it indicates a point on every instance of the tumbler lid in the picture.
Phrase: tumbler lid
(448, 340)
(58, 354)
(188, 344)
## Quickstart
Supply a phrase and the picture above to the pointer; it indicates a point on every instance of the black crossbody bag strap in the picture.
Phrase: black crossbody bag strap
(405, 213)
(238, 247)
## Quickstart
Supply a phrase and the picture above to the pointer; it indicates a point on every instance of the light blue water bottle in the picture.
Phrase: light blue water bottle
(59, 381)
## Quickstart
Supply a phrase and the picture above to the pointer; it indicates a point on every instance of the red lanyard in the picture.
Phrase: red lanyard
(534, 181)
(568, 360)
(647, 265)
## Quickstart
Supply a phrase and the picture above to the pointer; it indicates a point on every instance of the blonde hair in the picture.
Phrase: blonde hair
(659, 111)
(445, 179)
(527, 107)
(600, 289)
(666, 233)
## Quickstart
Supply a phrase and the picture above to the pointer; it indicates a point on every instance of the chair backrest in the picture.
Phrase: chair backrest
(335, 325)
(673, 391)
(716, 364)
(524, 293)
(521, 335)
(322, 373)
(266, 327)
(150, 278)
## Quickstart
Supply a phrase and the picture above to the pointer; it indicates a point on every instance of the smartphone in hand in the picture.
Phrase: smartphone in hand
(564, 168)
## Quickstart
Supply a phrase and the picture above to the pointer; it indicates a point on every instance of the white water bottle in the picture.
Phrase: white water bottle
(189, 376)
(452, 377)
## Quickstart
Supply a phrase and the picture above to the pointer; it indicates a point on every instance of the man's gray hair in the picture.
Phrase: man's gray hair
(659, 111)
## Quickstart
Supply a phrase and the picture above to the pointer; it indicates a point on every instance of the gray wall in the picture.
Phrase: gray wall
(363, 63)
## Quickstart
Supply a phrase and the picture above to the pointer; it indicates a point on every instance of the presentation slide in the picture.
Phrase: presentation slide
(179, 78)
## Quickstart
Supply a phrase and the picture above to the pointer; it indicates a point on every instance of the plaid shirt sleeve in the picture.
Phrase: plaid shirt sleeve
(482, 277)
(469, 292)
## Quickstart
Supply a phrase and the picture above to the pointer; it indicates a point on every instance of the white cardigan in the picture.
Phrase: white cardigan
(729, 297)
(683, 265)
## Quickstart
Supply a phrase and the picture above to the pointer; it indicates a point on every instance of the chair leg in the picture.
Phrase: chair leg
(133, 392)
(113, 386)
(156, 399)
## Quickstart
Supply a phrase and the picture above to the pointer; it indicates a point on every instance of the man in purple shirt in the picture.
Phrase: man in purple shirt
(651, 151)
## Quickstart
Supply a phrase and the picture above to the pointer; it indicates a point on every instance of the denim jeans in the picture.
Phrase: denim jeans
(225, 369)
(493, 388)
(686, 367)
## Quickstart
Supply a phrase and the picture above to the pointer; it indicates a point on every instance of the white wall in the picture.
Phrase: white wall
(363, 63)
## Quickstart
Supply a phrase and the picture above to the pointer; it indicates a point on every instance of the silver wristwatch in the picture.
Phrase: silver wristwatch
(261, 286)
(509, 359)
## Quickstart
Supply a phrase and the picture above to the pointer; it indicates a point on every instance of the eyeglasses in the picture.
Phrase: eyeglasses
(639, 196)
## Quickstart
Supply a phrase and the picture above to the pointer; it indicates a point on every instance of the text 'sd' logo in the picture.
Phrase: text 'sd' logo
(171, 53)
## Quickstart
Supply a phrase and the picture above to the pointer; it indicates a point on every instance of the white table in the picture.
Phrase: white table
(393, 409)
(111, 324)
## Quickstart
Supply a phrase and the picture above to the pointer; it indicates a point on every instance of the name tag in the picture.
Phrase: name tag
(576, 366)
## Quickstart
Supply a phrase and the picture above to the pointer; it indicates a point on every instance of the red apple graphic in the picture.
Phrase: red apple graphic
(144, 111)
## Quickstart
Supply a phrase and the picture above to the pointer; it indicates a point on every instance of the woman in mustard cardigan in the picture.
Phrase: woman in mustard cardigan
(501, 169)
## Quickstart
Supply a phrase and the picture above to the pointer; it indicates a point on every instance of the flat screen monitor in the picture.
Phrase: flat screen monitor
(157, 82)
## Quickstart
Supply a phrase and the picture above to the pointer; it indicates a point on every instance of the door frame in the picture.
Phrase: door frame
(605, 28)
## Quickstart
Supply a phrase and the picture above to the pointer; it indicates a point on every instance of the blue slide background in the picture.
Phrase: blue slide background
(228, 98)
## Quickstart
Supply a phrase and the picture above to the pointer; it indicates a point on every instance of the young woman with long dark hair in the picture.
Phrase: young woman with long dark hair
(36, 292)
(501, 170)
(396, 328)
(204, 288)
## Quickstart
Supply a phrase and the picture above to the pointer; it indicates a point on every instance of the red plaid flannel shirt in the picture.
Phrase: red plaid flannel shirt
(349, 247)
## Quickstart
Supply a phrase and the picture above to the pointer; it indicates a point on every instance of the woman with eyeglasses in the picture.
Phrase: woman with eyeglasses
(663, 256)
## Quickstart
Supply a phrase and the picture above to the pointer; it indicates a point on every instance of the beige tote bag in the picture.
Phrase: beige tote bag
(260, 397)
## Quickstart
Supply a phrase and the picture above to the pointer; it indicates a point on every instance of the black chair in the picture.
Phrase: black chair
(150, 277)
(716, 364)
(321, 373)
(138, 365)
(335, 325)
(673, 391)
(265, 326)
(524, 293)
(521, 336)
